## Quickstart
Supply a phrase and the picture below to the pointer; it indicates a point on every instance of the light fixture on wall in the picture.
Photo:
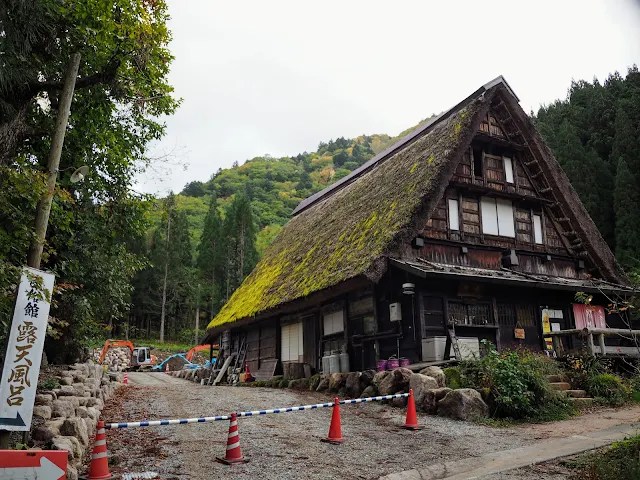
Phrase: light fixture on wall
(408, 288)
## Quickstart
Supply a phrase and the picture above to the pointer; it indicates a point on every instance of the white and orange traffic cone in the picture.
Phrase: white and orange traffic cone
(233, 454)
(335, 429)
(99, 467)
(166, 367)
(411, 422)
(126, 379)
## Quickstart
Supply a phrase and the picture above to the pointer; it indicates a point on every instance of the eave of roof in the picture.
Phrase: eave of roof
(508, 277)
(402, 143)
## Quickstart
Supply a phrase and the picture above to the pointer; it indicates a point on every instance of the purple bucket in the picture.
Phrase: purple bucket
(393, 363)
(405, 362)
(382, 365)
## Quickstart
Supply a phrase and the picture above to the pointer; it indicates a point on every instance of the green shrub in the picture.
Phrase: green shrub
(609, 387)
(621, 461)
(49, 384)
(452, 375)
(514, 384)
(283, 383)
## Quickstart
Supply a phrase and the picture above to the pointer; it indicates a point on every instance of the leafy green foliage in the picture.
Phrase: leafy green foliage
(622, 460)
(513, 385)
(609, 387)
(595, 135)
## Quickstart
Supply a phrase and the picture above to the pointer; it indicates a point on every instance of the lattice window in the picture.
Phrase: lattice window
(526, 316)
(506, 315)
(469, 314)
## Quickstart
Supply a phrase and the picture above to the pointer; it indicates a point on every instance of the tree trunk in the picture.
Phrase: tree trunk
(166, 274)
(197, 323)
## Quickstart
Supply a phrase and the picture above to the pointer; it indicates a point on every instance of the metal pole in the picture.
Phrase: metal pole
(44, 204)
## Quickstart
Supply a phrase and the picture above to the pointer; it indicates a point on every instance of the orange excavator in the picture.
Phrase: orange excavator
(199, 348)
(138, 356)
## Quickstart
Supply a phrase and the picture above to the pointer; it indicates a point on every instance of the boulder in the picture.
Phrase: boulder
(435, 372)
(92, 382)
(82, 401)
(323, 386)
(370, 391)
(440, 393)
(43, 411)
(76, 427)
(396, 381)
(82, 412)
(463, 404)
(54, 425)
(46, 400)
(67, 391)
(66, 381)
(352, 384)
(366, 378)
(399, 402)
(44, 433)
(314, 382)
(48, 392)
(379, 376)
(336, 381)
(72, 472)
(63, 409)
(80, 377)
(93, 413)
(428, 402)
(91, 428)
(299, 384)
(421, 384)
(63, 443)
(77, 451)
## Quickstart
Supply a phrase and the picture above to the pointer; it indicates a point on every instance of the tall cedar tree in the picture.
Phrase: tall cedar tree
(627, 205)
(210, 255)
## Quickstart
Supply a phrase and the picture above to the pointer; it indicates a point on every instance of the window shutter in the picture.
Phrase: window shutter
(454, 218)
(506, 227)
(508, 169)
(333, 323)
(489, 216)
(537, 229)
(285, 342)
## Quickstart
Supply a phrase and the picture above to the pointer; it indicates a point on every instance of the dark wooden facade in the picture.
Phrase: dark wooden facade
(497, 215)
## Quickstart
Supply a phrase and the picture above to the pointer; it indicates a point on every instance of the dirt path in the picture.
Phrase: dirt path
(282, 446)
(287, 446)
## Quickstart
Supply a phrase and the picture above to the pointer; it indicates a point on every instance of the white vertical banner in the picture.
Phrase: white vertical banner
(24, 352)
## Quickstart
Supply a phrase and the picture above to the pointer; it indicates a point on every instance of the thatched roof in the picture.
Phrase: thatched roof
(348, 233)
(350, 229)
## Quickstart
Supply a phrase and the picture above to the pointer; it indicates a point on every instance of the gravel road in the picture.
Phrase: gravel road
(282, 446)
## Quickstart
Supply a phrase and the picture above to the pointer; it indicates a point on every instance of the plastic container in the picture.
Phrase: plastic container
(326, 362)
(334, 362)
(344, 361)
(393, 363)
(405, 362)
(382, 365)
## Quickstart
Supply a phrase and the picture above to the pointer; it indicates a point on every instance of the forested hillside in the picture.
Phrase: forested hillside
(230, 220)
(595, 135)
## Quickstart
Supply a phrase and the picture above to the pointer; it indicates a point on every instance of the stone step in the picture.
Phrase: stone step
(577, 393)
(564, 386)
(582, 402)
(555, 378)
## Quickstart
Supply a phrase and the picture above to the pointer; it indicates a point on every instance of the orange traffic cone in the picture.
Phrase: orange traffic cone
(411, 423)
(234, 454)
(335, 429)
(166, 367)
(126, 379)
(99, 467)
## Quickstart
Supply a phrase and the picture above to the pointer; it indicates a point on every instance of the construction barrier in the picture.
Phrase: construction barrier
(300, 408)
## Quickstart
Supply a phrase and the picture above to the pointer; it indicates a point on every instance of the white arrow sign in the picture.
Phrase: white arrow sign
(46, 471)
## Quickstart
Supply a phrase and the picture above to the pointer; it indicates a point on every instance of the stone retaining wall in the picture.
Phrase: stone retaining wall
(65, 418)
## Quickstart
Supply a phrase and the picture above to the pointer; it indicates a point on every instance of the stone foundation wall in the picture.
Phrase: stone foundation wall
(65, 418)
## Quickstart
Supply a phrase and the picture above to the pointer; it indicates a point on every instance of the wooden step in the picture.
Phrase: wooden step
(581, 402)
(564, 386)
(554, 378)
(577, 393)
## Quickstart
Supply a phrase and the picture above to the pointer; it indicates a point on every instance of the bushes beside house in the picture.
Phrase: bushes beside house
(597, 376)
(513, 383)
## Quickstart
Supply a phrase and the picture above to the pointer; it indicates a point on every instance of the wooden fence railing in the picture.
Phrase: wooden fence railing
(600, 334)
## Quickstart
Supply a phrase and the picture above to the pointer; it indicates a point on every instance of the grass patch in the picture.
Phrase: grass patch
(621, 461)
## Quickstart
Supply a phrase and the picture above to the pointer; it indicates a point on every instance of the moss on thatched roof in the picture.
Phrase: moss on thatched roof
(346, 234)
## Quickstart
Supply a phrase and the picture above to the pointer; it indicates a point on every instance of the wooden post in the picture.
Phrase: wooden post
(591, 350)
(557, 345)
(603, 348)
(44, 204)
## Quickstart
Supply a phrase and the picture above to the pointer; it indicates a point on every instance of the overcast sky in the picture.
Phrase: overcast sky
(278, 77)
